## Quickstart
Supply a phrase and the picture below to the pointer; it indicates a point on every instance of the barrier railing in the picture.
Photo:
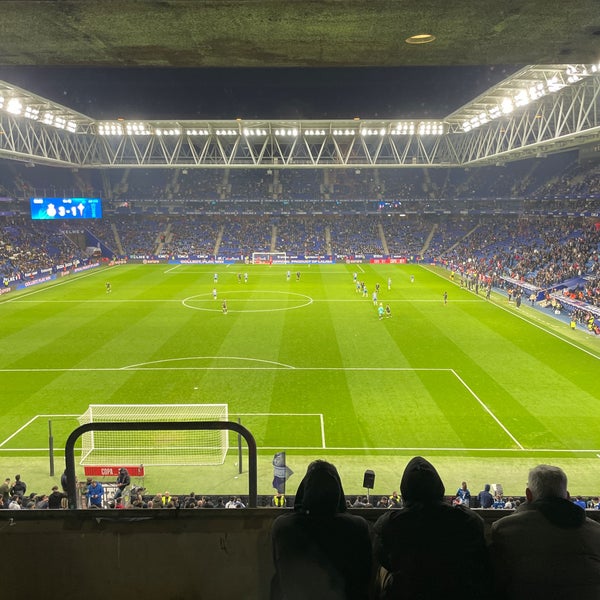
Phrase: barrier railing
(158, 426)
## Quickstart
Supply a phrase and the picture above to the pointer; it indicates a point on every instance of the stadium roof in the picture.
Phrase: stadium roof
(299, 33)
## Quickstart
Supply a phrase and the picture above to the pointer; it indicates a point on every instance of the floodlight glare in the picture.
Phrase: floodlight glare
(507, 106)
(32, 113)
(14, 106)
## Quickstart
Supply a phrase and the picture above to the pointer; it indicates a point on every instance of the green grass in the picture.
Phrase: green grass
(482, 389)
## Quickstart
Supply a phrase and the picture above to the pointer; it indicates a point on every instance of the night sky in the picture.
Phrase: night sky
(288, 93)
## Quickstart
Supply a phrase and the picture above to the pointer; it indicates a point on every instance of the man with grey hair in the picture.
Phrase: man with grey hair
(548, 548)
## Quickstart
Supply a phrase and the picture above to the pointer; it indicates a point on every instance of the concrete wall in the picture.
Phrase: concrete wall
(165, 554)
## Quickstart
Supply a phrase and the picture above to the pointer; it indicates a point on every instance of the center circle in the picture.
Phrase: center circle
(246, 300)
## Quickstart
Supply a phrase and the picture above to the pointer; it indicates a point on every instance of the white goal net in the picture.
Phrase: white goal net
(161, 447)
(269, 258)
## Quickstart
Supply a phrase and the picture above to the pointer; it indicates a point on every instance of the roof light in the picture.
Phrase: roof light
(14, 106)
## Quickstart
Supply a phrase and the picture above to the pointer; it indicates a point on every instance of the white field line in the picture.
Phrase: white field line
(485, 407)
(31, 421)
(279, 366)
(524, 452)
(173, 268)
(50, 286)
(209, 300)
(10, 437)
(523, 317)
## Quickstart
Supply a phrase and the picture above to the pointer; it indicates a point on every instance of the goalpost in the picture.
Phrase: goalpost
(158, 448)
(269, 258)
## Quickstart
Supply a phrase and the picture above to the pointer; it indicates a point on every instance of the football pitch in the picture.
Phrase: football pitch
(482, 389)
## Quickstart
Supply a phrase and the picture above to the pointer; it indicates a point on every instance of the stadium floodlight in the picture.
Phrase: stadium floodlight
(1, 101)
(136, 128)
(404, 128)
(160, 447)
(287, 132)
(250, 132)
(32, 113)
(60, 122)
(507, 106)
(554, 85)
(14, 106)
(167, 132)
(522, 98)
(48, 118)
(109, 128)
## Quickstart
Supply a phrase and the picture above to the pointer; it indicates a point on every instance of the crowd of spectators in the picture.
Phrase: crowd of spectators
(26, 247)
(109, 494)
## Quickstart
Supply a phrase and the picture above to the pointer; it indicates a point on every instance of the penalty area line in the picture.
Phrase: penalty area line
(485, 407)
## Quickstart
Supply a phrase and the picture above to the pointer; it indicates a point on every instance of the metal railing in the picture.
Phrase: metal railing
(158, 426)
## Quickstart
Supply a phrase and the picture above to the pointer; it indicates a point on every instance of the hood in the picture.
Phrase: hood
(421, 483)
(320, 492)
(560, 512)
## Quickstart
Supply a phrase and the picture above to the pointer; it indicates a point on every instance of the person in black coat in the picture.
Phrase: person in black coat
(429, 548)
(123, 480)
(319, 550)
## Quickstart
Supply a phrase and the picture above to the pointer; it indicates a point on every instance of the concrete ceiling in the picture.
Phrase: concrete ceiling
(296, 33)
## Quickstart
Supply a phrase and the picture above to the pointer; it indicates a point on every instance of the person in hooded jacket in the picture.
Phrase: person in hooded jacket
(485, 497)
(123, 481)
(547, 548)
(429, 548)
(319, 550)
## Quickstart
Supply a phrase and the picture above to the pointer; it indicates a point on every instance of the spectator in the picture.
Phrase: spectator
(485, 498)
(547, 548)
(383, 502)
(278, 500)
(19, 487)
(319, 550)
(463, 495)
(394, 500)
(42, 502)
(15, 503)
(95, 494)
(123, 481)
(499, 502)
(5, 491)
(428, 548)
(57, 499)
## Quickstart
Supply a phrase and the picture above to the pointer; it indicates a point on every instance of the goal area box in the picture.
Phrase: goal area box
(269, 258)
(156, 447)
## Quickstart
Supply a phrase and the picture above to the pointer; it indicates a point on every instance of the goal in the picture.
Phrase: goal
(269, 258)
(166, 447)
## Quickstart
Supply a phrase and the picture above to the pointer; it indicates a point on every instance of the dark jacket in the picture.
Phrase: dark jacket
(484, 497)
(428, 548)
(547, 549)
(319, 550)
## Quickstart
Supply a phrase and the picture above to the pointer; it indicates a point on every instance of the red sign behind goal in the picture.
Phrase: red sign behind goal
(104, 471)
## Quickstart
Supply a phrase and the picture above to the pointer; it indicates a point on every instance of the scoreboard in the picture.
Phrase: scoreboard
(66, 208)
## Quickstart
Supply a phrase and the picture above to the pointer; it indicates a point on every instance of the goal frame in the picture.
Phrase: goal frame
(269, 258)
(190, 447)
